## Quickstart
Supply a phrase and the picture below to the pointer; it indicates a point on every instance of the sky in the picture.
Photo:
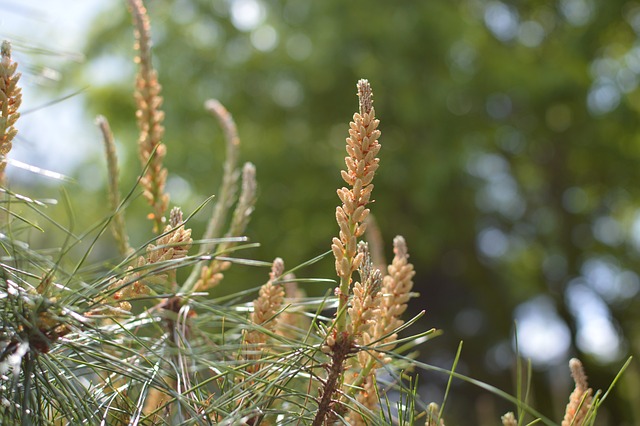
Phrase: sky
(45, 35)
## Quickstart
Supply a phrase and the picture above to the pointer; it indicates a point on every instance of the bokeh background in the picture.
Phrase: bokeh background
(510, 159)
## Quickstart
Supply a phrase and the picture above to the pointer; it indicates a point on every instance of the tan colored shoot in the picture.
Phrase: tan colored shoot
(396, 292)
(580, 399)
(148, 100)
(212, 274)
(433, 415)
(362, 147)
(363, 310)
(118, 225)
(509, 419)
(390, 304)
(265, 308)
(10, 100)
(174, 244)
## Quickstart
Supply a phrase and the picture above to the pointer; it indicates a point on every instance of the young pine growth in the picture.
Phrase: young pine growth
(396, 292)
(362, 163)
(265, 308)
(10, 100)
(150, 117)
(433, 415)
(368, 310)
(509, 419)
(362, 148)
(580, 399)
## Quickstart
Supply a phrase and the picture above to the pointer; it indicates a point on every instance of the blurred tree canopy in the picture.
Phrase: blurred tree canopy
(510, 157)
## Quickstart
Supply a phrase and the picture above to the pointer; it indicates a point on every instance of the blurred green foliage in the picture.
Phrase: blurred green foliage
(509, 162)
